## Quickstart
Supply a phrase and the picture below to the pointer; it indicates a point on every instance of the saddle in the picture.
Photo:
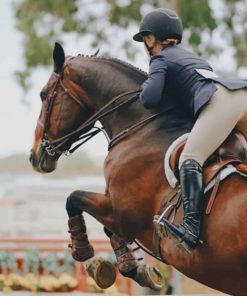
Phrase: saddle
(233, 151)
(229, 158)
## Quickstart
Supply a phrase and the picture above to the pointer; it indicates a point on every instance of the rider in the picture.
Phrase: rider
(217, 106)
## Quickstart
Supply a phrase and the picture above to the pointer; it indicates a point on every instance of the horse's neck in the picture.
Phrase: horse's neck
(110, 79)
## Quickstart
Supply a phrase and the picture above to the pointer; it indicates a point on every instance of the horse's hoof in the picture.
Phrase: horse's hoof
(102, 271)
(149, 276)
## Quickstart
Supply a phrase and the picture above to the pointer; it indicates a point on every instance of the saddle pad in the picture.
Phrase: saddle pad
(173, 181)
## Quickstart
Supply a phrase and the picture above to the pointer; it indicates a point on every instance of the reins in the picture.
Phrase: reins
(96, 116)
(127, 131)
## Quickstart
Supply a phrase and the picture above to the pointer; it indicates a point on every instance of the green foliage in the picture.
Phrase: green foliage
(123, 15)
(8, 262)
(31, 261)
(197, 22)
(197, 14)
(235, 20)
(42, 22)
(45, 21)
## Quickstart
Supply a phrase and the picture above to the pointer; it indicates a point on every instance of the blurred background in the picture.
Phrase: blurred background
(33, 220)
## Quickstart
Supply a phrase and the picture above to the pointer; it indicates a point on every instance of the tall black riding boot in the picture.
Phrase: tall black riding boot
(191, 180)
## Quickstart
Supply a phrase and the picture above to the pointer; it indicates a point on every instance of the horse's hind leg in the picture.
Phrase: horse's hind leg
(128, 265)
(101, 270)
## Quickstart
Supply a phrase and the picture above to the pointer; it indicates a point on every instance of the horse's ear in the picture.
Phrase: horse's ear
(58, 57)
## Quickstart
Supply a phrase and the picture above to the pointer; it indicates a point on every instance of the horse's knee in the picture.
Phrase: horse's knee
(74, 203)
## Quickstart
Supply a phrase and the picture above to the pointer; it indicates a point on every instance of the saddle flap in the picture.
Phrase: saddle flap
(232, 151)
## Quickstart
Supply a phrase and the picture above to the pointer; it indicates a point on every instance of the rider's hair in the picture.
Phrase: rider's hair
(169, 41)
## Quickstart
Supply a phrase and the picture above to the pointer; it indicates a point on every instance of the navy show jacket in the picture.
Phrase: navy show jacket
(173, 76)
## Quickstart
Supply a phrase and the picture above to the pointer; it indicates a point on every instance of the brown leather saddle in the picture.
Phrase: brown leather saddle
(233, 151)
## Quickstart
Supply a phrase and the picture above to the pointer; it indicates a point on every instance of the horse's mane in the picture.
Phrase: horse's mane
(111, 59)
(126, 64)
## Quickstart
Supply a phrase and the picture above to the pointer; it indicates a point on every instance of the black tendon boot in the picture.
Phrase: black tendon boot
(191, 180)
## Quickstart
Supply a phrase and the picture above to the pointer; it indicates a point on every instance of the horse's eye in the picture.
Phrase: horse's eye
(43, 95)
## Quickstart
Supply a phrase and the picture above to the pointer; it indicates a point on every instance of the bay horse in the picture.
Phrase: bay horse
(82, 90)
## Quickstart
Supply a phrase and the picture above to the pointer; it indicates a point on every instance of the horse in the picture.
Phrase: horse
(84, 89)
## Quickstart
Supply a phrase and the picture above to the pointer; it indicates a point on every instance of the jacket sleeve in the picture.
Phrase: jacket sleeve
(152, 88)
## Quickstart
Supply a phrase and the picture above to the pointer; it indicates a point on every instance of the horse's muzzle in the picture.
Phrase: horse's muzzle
(42, 162)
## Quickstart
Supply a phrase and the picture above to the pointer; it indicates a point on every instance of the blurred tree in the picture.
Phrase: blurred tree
(234, 27)
(99, 22)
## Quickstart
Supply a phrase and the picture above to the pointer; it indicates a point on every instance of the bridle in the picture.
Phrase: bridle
(53, 147)
(46, 142)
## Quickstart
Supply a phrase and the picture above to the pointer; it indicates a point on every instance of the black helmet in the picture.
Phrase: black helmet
(163, 23)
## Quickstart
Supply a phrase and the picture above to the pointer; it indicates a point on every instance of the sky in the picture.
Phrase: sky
(17, 121)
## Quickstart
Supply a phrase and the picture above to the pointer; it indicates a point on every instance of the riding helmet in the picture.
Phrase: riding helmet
(163, 23)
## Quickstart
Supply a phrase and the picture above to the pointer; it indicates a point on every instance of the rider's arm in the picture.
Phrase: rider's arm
(152, 88)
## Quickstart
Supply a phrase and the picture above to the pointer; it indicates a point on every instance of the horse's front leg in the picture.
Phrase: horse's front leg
(98, 205)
